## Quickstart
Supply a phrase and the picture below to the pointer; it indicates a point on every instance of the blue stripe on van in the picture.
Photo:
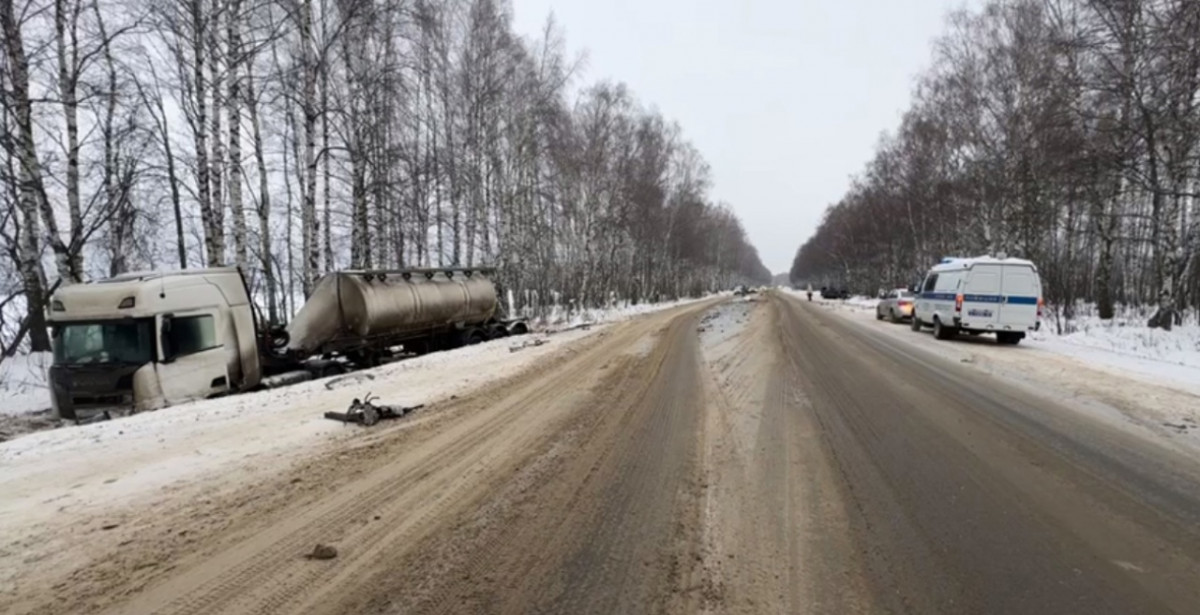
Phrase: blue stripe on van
(1011, 299)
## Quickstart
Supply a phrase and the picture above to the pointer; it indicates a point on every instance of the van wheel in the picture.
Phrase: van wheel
(916, 322)
(940, 331)
(1008, 339)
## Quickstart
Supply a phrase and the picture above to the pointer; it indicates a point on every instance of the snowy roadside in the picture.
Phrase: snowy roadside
(23, 383)
(65, 488)
(90, 484)
(566, 317)
(1130, 374)
(25, 400)
(418, 380)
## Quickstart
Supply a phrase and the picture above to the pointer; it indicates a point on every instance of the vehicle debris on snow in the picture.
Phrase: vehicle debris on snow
(365, 412)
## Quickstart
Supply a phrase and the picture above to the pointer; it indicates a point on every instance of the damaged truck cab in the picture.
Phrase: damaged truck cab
(142, 341)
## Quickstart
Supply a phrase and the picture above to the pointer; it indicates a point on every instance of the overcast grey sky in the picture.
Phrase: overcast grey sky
(785, 98)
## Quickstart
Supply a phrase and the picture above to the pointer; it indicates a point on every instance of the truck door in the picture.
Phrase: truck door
(981, 297)
(194, 364)
(1021, 290)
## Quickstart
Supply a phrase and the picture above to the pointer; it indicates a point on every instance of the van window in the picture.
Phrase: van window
(1021, 282)
(948, 281)
(931, 282)
(190, 334)
(984, 280)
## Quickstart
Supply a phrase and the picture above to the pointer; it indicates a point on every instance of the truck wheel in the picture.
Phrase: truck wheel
(473, 336)
(518, 328)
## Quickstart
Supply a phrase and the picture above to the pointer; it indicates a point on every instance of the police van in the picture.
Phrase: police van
(980, 295)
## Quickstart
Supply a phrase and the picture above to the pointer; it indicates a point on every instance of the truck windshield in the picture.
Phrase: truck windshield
(123, 341)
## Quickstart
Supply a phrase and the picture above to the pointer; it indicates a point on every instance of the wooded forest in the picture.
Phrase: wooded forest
(1063, 131)
(297, 137)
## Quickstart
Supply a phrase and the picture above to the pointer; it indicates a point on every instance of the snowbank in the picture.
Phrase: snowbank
(1124, 343)
(560, 316)
(1127, 344)
(236, 437)
(23, 384)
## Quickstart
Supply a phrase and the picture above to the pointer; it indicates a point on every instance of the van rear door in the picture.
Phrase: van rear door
(981, 297)
(1021, 289)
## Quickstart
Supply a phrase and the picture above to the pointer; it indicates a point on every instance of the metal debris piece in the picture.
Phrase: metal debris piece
(365, 412)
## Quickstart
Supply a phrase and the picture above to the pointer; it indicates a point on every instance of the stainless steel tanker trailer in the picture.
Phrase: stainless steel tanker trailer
(142, 341)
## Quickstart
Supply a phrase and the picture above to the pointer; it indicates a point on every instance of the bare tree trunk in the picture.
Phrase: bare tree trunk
(65, 27)
(213, 239)
(264, 197)
(308, 208)
(22, 149)
(154, 104)
(326, 204)
(291, 145)
(117, 206)
(217, 257)
(233, 108)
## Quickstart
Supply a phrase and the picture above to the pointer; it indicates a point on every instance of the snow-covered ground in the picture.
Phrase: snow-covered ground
(559, 316)
(23, 383)
(1124, 344)
(231, 434)
(1118, 370)
(61, 484)
(1130, 346)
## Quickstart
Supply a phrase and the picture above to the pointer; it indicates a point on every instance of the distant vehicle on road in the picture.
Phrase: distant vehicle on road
(980, 295)
(895, 305)
(828, 292)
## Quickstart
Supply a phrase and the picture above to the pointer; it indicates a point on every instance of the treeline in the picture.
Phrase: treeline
(1064, 131)
(295, 137)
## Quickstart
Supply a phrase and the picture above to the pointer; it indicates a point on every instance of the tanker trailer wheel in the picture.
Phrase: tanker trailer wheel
(365, 359)
(332, 369)
(497, 331)
(279, 338)
(518, 328)
(474, 336)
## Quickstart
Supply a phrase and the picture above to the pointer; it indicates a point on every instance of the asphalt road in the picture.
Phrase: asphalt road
(970, 496)
(749, 457)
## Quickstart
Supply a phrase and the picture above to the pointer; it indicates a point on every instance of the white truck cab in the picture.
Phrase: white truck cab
(142, 341)
(980, 295)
